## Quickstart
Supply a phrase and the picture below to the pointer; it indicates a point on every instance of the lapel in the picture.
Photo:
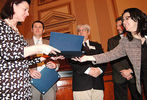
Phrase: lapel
(116, 39)
(91, 43)
(92, 51)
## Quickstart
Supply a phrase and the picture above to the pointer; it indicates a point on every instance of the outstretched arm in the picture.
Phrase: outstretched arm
(37, 49)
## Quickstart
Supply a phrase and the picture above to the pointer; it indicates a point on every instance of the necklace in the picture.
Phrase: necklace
(12, 26)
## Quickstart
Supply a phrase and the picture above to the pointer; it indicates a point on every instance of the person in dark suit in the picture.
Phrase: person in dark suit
(88, 81)
(38, 30)
(122, 65)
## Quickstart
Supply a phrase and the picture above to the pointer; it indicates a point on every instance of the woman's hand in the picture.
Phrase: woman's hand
(126, 73)
(35, 74)
(58, 57)
(39, 49)
(94, 72)
(51, 65)
(84, 58)
(46, 49)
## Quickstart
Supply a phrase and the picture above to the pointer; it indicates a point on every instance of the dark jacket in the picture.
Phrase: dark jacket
(82, 81)
(119, 64)
(132, 49)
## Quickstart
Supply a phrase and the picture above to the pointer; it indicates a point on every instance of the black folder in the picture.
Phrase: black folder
(48, 78)
(70, 45)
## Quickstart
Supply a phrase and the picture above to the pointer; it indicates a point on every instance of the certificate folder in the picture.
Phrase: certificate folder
(70, 45)
(48, 78)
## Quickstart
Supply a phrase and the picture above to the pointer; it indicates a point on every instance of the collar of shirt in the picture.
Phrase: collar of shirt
(88, 44)
(36, 41)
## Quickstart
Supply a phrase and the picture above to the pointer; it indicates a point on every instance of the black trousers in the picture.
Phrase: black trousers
(144, 80)
(145, 88)
(121, 91)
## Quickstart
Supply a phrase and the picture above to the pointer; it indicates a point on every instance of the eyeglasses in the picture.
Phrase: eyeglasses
(82, 30)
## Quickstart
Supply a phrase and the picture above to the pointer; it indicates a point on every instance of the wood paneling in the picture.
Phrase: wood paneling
(41, 2)
(81, 13)
(57, 22)
(2, 2)
(104, 22)
(64, 91)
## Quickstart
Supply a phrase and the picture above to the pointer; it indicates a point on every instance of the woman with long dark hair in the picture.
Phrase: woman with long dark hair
(134, 46)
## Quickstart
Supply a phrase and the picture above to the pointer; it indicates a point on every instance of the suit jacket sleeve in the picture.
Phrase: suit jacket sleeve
(114, 54)
(121, 63)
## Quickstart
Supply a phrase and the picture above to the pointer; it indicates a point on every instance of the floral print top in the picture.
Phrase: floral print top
(14, 73)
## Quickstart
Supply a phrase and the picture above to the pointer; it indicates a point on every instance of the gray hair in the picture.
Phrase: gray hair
(85, 26)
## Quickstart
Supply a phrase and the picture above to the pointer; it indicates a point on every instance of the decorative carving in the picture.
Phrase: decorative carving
(63, 29)
(63, 8)
(41, 2)
(58, 19)
(54, 18)
(57, 22)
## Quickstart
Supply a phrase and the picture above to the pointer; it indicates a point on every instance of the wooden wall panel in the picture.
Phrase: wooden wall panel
(64, 91)
(57, 22)
(63, 8)
(93, 22)
(121, 5)
(2, 2)
(108, 92)
(41, 2)
(57, 19)
(104, 22)
(80, 9)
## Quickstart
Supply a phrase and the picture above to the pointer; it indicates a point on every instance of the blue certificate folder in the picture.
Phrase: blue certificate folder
(70, 45)
(48, 78)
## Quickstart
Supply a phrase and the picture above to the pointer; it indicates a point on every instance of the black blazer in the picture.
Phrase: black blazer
(82, 81)
(119, 64)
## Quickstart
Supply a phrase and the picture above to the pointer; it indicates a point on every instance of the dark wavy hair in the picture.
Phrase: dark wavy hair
(121, 19)
(38, 21)
(7, 11)
(140, 17)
